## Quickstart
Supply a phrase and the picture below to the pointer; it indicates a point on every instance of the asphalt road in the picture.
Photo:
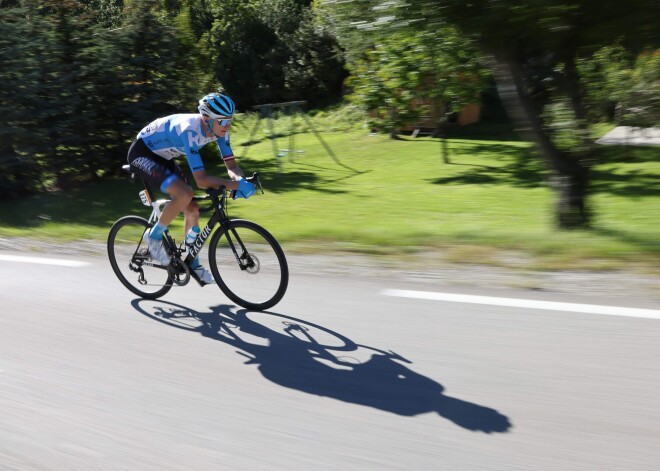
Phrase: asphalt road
(339, 375)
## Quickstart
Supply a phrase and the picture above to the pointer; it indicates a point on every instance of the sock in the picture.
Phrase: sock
(157, 231)
(192, 234)
(195, 263)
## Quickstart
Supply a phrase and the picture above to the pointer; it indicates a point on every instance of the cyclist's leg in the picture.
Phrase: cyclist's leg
(181, 195)
(191, 219)
(191, 210)
(163, 174)
(191, 215)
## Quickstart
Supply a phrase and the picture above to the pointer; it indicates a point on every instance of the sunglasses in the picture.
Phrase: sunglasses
(224, 122)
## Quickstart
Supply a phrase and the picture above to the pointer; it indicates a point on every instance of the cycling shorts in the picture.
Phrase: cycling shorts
(155, 171)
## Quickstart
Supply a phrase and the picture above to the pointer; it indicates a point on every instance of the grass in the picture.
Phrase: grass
(371, 194)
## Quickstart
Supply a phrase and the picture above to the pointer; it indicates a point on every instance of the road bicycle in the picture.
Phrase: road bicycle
(246, 261)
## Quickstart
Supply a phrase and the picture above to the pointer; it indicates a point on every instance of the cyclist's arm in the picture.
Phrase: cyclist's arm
(202, 180)
(209, 181)
(234, 171)
(227, 155)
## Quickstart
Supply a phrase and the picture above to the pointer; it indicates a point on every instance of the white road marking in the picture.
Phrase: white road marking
(526, 303)
(42, 261)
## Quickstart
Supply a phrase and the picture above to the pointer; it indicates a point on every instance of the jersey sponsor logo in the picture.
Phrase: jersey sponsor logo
(148, 131)
(144, 164)
(155, 142)
(195, 140)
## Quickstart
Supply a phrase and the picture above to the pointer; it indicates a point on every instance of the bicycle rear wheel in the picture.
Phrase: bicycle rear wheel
(249, 265)
(130, 260)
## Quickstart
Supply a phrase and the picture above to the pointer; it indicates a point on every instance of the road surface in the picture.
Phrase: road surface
(349, 371)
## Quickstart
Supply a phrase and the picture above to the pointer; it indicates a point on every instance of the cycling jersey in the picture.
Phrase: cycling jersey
(182, 134)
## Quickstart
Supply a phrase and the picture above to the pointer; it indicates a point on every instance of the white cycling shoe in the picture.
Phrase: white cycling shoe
(157, 249)
(204, 275)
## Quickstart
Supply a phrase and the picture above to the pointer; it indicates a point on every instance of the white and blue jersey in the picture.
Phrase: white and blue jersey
(182, 134)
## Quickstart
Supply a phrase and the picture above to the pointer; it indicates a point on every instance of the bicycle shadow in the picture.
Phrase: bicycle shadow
(313, 359)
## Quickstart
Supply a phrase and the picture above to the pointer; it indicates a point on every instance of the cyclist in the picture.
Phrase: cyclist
(152, 157)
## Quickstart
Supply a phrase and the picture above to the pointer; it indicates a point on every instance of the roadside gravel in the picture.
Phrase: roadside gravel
(427, 268)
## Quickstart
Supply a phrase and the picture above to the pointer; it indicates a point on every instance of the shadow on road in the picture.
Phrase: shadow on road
(314, 359)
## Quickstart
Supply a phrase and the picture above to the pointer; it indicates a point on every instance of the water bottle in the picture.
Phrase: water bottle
(192, 235)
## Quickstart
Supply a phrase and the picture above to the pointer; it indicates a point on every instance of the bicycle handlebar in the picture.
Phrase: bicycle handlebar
(214, 194)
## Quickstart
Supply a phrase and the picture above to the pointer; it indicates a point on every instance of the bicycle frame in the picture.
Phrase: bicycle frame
(180, 269)
(219, 216)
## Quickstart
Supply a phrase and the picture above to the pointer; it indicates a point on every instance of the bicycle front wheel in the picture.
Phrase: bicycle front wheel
(129, 256)
(248, 265)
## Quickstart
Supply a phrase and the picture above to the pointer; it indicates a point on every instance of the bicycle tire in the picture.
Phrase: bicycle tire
(124, 242)
(266, 259)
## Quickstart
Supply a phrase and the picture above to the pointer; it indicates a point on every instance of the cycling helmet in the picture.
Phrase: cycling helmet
(216, 105)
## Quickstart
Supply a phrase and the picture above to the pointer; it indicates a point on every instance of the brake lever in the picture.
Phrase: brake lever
(255, 178)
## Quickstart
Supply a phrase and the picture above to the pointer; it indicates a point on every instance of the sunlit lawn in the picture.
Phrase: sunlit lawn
(378, 195)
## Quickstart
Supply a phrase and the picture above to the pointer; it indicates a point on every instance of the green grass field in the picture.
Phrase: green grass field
(396, 197)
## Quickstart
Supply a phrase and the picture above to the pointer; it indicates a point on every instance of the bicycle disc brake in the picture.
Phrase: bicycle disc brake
(179, 272)
(251, 265)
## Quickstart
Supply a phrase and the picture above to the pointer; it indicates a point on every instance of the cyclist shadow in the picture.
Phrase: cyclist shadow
(310, 358)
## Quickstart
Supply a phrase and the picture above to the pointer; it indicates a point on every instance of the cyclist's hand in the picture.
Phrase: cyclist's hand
(245, 189)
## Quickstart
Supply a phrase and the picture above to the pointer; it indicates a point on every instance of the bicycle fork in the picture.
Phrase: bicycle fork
(245, 260)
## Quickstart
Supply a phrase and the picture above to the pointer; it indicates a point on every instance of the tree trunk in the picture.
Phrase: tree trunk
(444, 135)
(570, 178)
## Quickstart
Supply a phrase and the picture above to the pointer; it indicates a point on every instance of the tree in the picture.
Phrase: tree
(315, 68)
(270, 50)
(47, 127)
(64, 143)
(399, 68)
(535, 46)
(535, 65)
(19, 78)
(621, 88)
(106, 12)
(149, 50)
(641, 105)
(75, 92)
